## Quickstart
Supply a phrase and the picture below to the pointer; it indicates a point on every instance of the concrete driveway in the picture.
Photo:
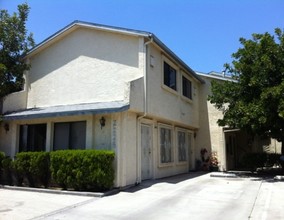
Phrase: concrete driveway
(189, 196)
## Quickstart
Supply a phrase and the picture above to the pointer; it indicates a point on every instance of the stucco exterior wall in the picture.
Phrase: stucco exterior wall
(137, 95)
(129, 144)
(5, 140)
(15, 101)
(86, 66)
(166, 103)
(210, 135)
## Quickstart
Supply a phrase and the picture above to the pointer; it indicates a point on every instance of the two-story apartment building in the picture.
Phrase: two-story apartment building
(93, 86)
(99, 87)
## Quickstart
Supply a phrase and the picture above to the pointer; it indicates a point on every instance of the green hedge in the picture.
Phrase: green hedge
(34, 166)
(77, 169)
(7, 165)
(83, 169)
(2, 157)
(257, 160)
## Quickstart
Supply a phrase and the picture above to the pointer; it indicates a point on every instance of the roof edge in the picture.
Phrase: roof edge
(179, 60)
(89, 25)
(118, 30)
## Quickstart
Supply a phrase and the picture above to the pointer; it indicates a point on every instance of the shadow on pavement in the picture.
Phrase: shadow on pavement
(267, 175)
(171, 180)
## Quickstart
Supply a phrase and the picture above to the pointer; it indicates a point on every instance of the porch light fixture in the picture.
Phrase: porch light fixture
(6, 127)
(102, 122)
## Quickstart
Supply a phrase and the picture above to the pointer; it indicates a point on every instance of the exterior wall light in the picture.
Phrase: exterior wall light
(102, 122)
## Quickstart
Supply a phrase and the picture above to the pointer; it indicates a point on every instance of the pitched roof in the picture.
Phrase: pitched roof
(76, 24)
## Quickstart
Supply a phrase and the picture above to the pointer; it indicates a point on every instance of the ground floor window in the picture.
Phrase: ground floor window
(166, 144)
(32, 137)
(69, 135)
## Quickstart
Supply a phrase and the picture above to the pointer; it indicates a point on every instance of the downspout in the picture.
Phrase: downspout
(145, 68)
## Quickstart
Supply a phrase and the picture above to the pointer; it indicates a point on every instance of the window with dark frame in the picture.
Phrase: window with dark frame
(186, 87)
(32, 137)
(69, 135)
(170, 76)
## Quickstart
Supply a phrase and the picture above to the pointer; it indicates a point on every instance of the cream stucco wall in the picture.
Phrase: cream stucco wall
(210, 135)
(166, 103)
(86, 66)
(15, 101)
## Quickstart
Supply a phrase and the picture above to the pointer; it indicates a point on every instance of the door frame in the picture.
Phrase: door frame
(149, 123)
(191, 150)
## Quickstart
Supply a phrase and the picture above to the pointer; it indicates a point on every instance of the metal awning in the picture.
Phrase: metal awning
(68, 110)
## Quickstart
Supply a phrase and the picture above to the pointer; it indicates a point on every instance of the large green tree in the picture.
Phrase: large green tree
(254, 100)
(14, 44)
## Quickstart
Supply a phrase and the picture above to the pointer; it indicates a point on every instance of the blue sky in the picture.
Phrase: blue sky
(203, 33)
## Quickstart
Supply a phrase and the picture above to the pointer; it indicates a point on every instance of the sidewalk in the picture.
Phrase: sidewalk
(22, 204)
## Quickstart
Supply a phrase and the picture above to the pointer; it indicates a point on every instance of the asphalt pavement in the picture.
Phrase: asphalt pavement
(189, 196)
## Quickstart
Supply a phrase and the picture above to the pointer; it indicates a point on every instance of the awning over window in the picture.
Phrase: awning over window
(68, 110)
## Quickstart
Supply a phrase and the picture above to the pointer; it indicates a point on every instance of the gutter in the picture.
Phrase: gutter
(172, 54)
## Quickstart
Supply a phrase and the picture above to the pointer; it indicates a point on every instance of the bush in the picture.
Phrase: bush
(2, 157)
(34, 166)
(257, 160)
(7, 166)
(10, 175)
(83, 169)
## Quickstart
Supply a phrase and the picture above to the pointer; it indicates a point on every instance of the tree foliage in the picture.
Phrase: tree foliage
(254, 100)
(14, 44)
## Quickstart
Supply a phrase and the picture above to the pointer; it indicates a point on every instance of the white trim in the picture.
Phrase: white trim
(172, 147)
(185, 131)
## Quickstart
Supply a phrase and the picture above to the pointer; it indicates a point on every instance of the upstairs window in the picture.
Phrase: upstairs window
(170, 76)
(186, 87)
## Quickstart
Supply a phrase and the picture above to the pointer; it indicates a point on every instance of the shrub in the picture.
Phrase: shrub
(34, 166)
(2, 157)
(7, 166)
(11, 175)
(256, 160)
(83, 169)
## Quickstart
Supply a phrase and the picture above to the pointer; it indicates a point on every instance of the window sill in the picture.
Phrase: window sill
(182, 163)
(184, 98)
(168, 89)
(170, 164)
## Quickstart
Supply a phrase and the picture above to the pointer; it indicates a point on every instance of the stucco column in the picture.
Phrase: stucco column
(49, 137)
(14, 139)
(90, 132)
